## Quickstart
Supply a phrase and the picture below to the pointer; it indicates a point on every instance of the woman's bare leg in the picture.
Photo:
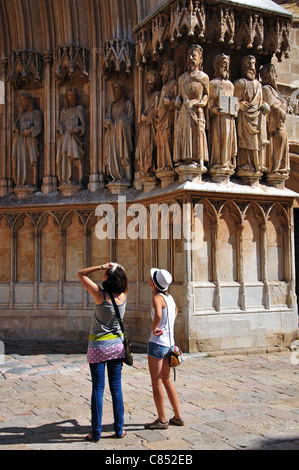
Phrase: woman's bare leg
(170, 388)
(155, 368)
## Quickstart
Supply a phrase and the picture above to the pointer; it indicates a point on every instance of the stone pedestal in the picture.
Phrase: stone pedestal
(249, 177)
(69, 189)
(190, 171)
(166, 177)
(277, 179)
(24, 191)
(118, 187)
(221, 175)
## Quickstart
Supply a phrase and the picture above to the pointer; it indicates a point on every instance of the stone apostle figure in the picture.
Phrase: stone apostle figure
(251, 121)
(25, 153)
(165, 117)
(70, 130)
(190, 143)
(118, 145)
(146, 144)
(277, 153)
(222, 127)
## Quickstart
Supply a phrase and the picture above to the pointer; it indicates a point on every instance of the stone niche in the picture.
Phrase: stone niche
(223, 215)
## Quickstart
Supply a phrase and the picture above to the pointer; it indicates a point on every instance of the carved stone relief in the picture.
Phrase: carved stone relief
(223, 108)
(187, 126)
(118, 144)
(277, 152)
(70, 145)
(190, 143)
(251, 123)
(146, 145)
(165, 123)
(25, 148)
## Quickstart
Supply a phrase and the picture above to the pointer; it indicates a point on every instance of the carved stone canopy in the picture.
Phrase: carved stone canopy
(68, 58)
(263, 25)
(24, 63)
(117, 53)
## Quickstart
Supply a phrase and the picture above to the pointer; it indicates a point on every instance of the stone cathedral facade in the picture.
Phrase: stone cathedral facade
(154, 134)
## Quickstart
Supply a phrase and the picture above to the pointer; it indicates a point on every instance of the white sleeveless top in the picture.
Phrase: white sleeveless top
(167, 313)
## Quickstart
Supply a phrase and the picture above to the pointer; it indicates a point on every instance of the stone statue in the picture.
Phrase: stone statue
(118, 145)
(25, 153)
(165, 117)
(277, 153)
(70, 129)
(223, 108)
(190, 143)
(251, 122)
(146, 144)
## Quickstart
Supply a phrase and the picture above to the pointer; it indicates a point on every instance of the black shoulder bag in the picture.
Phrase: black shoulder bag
(128, 359)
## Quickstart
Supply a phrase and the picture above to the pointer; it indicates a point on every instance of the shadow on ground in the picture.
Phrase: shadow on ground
(37, 347)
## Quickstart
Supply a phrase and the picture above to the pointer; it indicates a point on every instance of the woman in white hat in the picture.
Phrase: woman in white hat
(161, 341)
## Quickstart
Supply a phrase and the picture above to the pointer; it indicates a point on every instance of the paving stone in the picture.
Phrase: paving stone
(228, 403)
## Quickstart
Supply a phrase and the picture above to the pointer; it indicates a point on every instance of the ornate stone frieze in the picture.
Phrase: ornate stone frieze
(221, 25)
(67, 59)
(250, 29)
(206, 23)
(143, 46)
(24, 63)
(277, 39)
(118, 52)
(190, 15)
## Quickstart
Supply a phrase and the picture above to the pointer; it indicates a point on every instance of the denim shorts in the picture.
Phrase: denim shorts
(158, 351)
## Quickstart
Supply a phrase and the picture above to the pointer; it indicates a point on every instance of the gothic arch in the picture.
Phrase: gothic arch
(234, 211)
(258, 211)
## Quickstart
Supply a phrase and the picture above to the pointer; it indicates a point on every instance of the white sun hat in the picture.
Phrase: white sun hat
(161, 278)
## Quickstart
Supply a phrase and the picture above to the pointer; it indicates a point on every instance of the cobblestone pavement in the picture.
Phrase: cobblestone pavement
(228, 402)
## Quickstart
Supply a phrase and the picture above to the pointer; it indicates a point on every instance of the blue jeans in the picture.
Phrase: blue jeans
(114, 368)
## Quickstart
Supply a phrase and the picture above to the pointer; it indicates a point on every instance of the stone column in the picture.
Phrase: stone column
(290, 256)
(96, 180)
(4, 155)
(264, 266)
(49, 179)
(215, 251)
(240, 249)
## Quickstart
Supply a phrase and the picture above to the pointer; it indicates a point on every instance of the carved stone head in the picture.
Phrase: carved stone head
(25, 101)
(152, 81)
(248, 65)
(194, 57)
(71, 97)
(268, 75)
(168, 71)
(119, 91)
(221, 65)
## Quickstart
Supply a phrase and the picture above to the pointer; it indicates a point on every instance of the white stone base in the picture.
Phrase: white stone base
(243, 330)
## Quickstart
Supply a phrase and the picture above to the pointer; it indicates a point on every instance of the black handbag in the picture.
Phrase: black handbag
(128, 359)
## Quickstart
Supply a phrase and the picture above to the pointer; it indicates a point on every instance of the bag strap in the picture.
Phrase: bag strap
(117, 312)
